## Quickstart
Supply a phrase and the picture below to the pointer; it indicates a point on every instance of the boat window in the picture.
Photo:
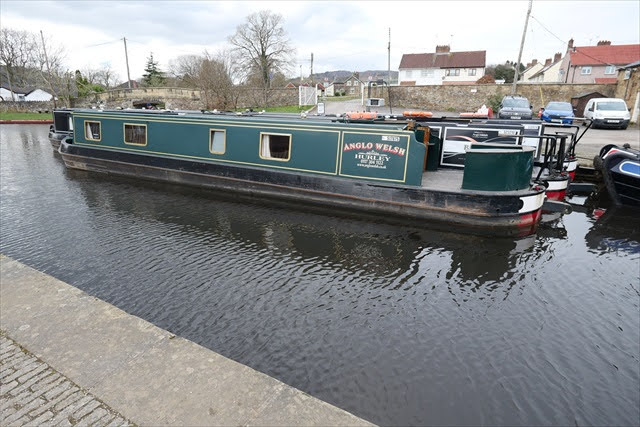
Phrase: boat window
(135, 134)
(92, 131)
(275, 146)
(217, 141)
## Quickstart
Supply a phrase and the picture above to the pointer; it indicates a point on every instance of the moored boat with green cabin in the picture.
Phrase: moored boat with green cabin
(376, 169)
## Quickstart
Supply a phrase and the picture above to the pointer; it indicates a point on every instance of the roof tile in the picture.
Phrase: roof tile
(605, 54)
(475, 58)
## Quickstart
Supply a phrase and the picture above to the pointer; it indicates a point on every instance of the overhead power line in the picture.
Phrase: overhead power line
(566, 42)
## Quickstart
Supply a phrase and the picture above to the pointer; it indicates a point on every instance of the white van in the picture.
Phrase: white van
(608, 112)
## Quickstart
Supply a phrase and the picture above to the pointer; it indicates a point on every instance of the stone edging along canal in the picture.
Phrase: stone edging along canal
(145, 373)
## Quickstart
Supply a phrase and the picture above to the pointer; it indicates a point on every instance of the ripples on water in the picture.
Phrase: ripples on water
(399, 325)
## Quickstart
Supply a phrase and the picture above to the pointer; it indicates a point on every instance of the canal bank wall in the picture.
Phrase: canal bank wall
(146, 374)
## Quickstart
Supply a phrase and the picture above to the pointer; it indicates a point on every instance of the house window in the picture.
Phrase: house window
(408, 74)
(611, 69)
(472, 72)
(585, 70)
(352, 90)
(275, 146)
(92, 131)
(427, 73)
(627, 74)
(452, 72)
(217, 141)
(135, 134)
(348, 82)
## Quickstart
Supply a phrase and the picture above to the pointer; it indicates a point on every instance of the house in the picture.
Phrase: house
(353, 85)
(550, 71)
(125, 85)
(336, 87)
(628, 88)
(38, 95)
(23, 94)
(596, 64)
(532, 68)
(442, 67)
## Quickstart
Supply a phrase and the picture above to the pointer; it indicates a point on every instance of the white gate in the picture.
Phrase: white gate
(307, 95)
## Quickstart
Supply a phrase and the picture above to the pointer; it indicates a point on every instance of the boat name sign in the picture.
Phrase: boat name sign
(374, 156)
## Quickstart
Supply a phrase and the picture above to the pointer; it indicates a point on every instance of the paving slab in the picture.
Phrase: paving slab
(146, 374)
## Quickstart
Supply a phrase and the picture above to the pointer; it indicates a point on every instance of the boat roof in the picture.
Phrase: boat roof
(243, 116)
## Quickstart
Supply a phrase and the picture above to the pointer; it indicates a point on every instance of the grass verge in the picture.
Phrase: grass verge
(25, 116)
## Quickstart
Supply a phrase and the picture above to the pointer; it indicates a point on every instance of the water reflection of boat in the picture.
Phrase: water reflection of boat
(616, 228)
(379, 248)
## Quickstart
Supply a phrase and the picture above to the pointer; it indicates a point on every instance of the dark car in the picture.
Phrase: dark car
(559, 112)
(515, 107)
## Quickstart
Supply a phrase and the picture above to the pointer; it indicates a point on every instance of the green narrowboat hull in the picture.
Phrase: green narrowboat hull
(350, 167)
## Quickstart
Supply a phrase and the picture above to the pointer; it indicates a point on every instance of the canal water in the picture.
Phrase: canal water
(397, 324)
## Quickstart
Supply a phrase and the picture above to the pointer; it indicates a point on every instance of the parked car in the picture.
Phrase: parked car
(559, 112)
(608, 112)
(515, 107)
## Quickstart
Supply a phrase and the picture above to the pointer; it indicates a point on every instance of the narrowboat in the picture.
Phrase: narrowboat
(61, 128)
(454, 136)
(620, 167)
(375, 169)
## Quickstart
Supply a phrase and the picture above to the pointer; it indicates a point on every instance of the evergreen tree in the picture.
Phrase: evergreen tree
(152, 77)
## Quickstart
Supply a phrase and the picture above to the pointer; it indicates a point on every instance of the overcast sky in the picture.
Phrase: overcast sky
(342, 35)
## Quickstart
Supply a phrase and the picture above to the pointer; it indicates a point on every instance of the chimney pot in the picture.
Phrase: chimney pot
(570, 44)
(547, 62)
(604, 43)
(534, 62)
(443, 49)
(557, 57)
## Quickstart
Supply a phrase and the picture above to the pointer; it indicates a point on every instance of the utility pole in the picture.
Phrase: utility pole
(389, 57)
(126, 57)
(46, 60)
(524, 33)
(311, 76)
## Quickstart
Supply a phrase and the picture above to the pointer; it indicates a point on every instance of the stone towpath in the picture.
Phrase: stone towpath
(69, 358)
(33, 393)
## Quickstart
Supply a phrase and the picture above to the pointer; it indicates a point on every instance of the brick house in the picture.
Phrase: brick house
(442, 67)
(596, 64)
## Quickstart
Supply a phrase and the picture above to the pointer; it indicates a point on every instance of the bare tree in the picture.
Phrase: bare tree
(186, 68)
(107, 77)
(212, 74)
(16, 54)
(262, 47)
(55, 75)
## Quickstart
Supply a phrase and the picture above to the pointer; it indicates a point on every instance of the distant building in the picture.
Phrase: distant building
(628, 88)
(353, 85)
(550, 71)
(531, 68)
(125, 85)
(24, 94)
(596, 64)
(442, 67)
